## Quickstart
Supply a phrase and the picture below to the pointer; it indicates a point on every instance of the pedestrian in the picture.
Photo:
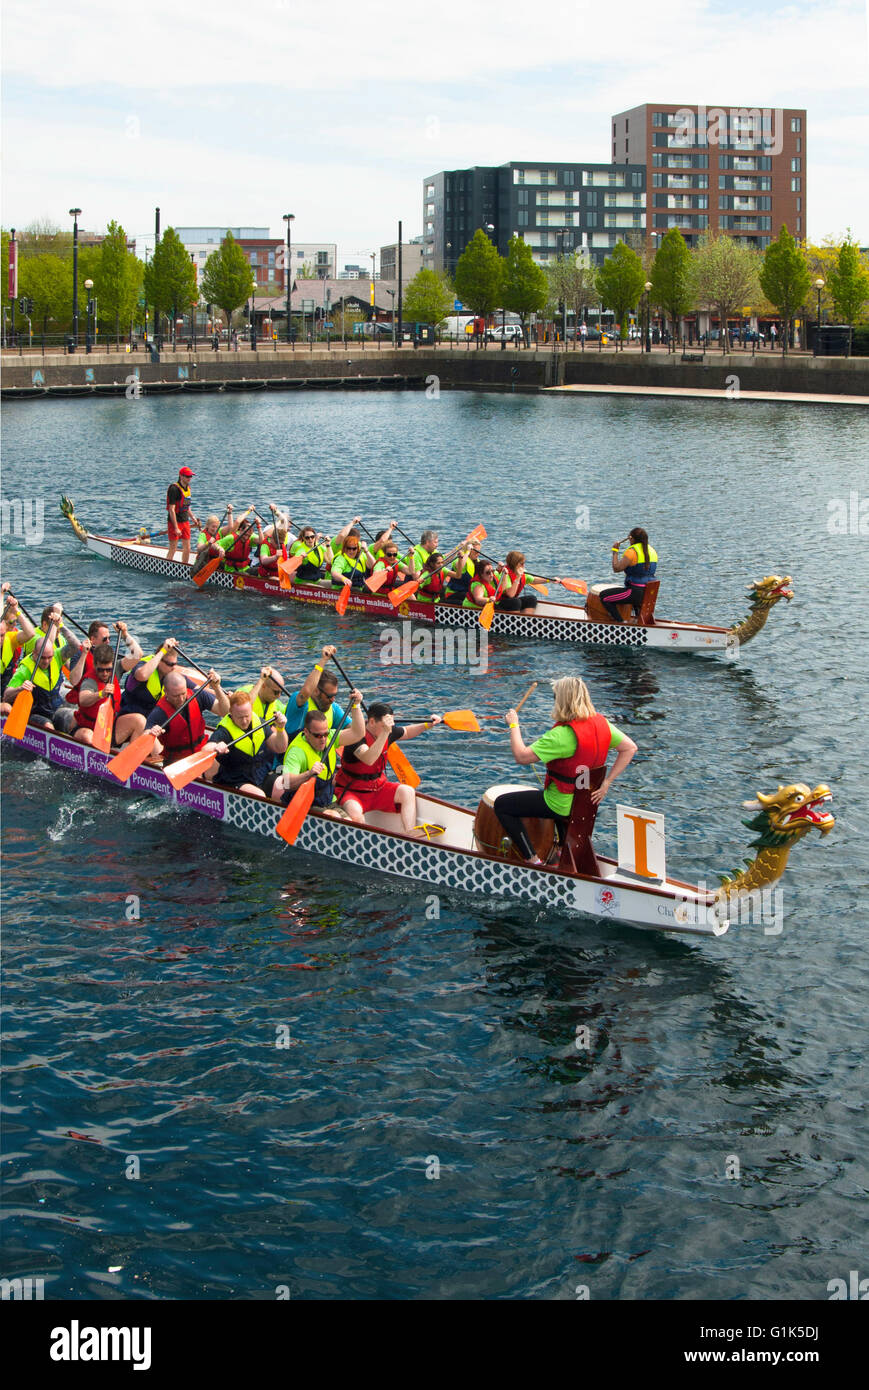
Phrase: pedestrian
(772, 335)
(235, 340)
(179, 515)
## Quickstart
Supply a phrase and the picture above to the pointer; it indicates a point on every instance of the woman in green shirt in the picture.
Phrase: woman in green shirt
(572, 750)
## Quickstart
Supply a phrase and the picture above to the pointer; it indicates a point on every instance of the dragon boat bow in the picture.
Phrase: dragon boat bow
(549, 621)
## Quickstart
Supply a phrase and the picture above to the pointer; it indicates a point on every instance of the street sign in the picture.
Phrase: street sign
(458, 306)
(328, 324)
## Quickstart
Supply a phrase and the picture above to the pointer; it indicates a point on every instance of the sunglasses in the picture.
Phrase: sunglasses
(103, 668)
(324, 733)
(170, 664)
(308, 536)
(351, 550)
(391, 554)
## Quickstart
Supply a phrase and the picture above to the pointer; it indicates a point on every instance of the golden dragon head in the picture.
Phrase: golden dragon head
(790, 813)
(766, 592)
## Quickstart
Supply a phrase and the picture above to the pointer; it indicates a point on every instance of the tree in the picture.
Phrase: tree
(170, 278)
(723, 277)
(572, 279)
(428, 298)
(620, 281)
(48, 281)
(525, 288)
(118, 279)
(43, 237)
(848, 283)
(4, 266)
(227, 279)
(785, 279)
(670, 277)
(480, 275)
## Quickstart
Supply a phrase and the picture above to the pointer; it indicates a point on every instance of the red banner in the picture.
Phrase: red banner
(13, 270)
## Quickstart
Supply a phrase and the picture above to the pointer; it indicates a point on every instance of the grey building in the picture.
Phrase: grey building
(554, 207)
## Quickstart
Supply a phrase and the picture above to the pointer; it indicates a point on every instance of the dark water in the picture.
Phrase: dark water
(414, 1038)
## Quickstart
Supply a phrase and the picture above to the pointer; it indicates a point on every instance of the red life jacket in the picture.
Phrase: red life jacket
(512, 578)
(592, 746)
(73, 692)
(366, 778)
(239, 554)
(435, 584)
(87, 718)
(184, 734)
(391, 576)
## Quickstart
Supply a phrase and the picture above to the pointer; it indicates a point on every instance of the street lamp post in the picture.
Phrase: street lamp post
(373, 255)
(289, 217)
(560, 234)
(391, 294)
(819, 285)
(88, 284)
(75, 214)
(648, 342)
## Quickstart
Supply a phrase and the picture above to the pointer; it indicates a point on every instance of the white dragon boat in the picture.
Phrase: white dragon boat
(551, 621)
(457, 856)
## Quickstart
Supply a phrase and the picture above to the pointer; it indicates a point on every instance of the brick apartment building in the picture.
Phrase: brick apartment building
(732, 169)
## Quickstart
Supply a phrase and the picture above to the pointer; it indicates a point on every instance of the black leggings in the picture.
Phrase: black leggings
(512, 807)
(625, 593)
(516, 605)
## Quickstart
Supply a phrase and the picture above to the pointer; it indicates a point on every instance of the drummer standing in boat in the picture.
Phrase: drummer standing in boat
(179, 514)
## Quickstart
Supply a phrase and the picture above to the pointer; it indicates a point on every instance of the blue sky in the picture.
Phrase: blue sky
(337, 114)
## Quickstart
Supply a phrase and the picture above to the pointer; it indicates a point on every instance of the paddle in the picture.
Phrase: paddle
(186, 769)
(376, 580)
(104, 724)
(16, 720)
(464, 720)
(302, 799)
(344, 597)
(405, 591)
(576, 586)
(124, 764)
(398, 760)
(488, 609)
(203, 570)
(282, 578)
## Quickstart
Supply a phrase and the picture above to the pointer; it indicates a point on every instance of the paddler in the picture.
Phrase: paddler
(144, 685)
(361, 783)
(352, 560)
(434, 577)
(306, 756)
(387, 559)
(266, 694)
(638, 564)
(179, 514)
(246, 765)
(66, 644)
(99, 634)
(578, 744)
(464, 572)
(215, 538)
(415, 559)
(184, 733)
(16, 630)
(237, 556)
(276, 543)
(316, 549)
(95, 687)
(514, 597)
(483, 586)
(317, 693)
(42, 673)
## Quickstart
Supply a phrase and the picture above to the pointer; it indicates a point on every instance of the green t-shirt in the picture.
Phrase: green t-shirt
(345, 565)
(225, 542)
(560, 742)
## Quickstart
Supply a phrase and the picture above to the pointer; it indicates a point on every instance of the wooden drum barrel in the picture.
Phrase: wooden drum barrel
(491, 837)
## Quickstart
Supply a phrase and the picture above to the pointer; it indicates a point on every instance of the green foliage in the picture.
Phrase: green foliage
(118, 279)
(480, 275)
(169, 277)
(724, 277)
(48, 281)
(671, 278)
(785, 279)
(574, 279)
(620, 282)
(525, 286)
(428, 298)
(848, 283)
(227, 279)
(4, 268)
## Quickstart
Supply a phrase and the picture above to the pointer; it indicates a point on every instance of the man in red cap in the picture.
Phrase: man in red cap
(179, 514)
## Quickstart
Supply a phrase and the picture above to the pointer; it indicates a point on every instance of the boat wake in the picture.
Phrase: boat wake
(83, 802)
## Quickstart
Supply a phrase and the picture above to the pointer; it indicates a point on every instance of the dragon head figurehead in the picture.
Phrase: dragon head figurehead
(764, 595)
(67, 506)
(783, 818)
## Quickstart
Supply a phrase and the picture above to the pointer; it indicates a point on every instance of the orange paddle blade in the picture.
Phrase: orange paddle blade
(343, 599)
(289, 567)
(284, 582)
(576, 586)
(376, 581)
(462, 719)
(541, 588)
(402, 767)
(487, 615)
(16, 720)
(104, 727)
(397, 596)
(291, 821)
(131, 757)
(186, 769)
(206, 572)
(479, 533)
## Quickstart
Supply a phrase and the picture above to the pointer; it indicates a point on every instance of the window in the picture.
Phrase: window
(795, 166)
(795, 123)
(795, 186)
(799, 145)
(659, 140)
(591, 217)
(568, 178)
(271, 258)
(657, 180)
(799, 225)
(522, 197)
(799, 204)
(522, 217)
(636, 179)
(659, 118)
(253, 257)
(658, 161)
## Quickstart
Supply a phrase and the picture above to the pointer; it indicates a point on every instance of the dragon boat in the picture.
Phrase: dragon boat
(462, 853)
(550, 621)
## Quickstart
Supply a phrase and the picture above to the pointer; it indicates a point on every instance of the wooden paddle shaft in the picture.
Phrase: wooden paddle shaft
(530, 691)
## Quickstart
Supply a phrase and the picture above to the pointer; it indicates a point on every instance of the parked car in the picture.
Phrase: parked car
(510, 332)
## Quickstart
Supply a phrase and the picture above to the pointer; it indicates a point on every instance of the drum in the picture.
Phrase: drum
(492, 839)
(595, 609)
